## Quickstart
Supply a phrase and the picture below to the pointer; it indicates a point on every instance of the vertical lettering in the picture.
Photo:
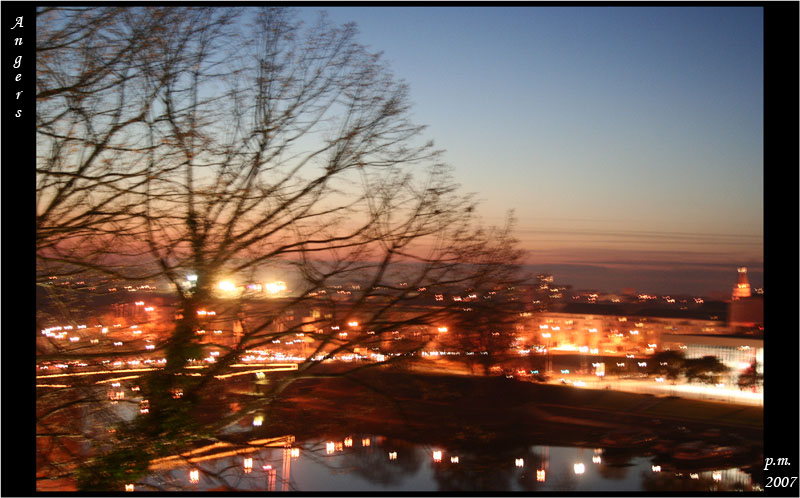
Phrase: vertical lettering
(17, 62)
(17, 41)
(19, 22)
(19, 93)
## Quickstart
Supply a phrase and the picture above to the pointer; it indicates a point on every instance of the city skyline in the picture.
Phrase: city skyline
(426, 249)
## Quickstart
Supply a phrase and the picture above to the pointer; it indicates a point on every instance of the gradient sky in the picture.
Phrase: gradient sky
(623, 137)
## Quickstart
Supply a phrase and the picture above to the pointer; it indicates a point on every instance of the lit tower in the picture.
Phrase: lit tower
(742, 288)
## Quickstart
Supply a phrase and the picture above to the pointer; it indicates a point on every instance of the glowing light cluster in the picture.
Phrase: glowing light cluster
(227, 286)
(275, 287)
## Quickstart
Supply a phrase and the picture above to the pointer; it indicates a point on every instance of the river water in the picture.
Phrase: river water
(373, 463)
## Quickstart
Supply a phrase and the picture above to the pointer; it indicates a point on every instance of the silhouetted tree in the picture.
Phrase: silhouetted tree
(220, 143)
(484, 327)
(750, 377)
(707, 369)
(667, 363)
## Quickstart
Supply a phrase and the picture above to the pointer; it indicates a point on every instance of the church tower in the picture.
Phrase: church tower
(742, 288)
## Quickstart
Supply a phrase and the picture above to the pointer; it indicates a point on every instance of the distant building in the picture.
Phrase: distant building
(742, 288)
(745, 310)
(736, 352)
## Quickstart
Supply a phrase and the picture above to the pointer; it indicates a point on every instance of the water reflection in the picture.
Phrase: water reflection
(339, 463)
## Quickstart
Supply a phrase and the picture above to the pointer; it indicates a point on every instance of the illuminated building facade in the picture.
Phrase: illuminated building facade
(737, 353)
(610, 333)
(742, 288)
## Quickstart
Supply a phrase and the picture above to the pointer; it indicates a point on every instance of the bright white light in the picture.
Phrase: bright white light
(519, 462)
(656, 468)
(191, 278)
(330, 447)
(227, 286)
(596, 459)
(437, 456)
(393, 455)
(129, 487)
(275, 287)
(454, 459)
(194, 476)
(258, 420)
(579, 468)
(540, 475)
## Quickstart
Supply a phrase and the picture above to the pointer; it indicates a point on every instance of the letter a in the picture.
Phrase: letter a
(19, 22)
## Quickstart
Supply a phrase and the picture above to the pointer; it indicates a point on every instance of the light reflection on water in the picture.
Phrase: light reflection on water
(378, 464)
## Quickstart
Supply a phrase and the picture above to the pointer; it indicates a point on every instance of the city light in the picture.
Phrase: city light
(248, 465)
(393, 455)
(579, 468)
(437, 456)
(330, 447)
(540, 475)
(275, 287)
(454, 459)
(596, 459)
(227, 286)
(129, 487)
(194, 476)
(519, 462)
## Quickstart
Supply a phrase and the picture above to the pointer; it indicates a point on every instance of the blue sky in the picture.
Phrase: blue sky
(616, 134)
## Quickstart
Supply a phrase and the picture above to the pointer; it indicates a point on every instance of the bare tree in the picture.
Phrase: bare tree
(222, 144)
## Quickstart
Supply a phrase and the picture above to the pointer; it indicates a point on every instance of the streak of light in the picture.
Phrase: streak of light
(255, 445)
(117, 378)
(74, 374)
(278, 369)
